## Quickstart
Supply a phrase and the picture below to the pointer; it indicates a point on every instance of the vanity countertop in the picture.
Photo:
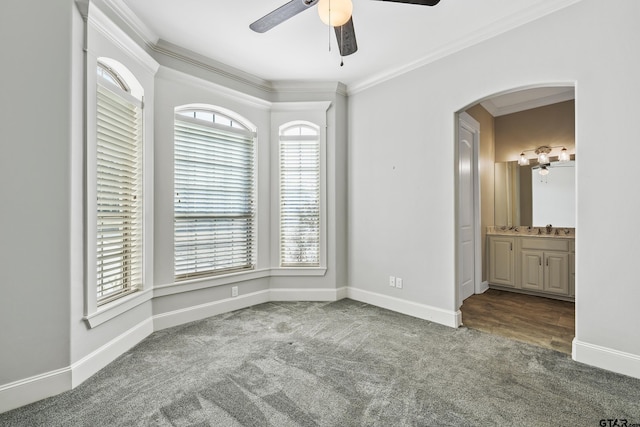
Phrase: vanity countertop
(555, 232)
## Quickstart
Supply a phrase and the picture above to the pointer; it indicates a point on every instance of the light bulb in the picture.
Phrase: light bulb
(523, 161)
(543, 171)
(543, 158)
(335, 13)
(564, 155)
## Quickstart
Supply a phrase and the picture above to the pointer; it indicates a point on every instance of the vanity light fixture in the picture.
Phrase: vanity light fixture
(564, 155)
(523, 161)
(543, 170)
(543, 154)
(543, 158)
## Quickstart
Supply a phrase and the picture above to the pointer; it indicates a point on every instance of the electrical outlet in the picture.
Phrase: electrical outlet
(398, 283)
(392, 281)
(234, 291)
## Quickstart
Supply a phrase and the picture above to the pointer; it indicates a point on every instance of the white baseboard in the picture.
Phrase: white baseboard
(29, 390)
(422, 311)
(484, 287)
(98, 359)
(284, 294)
(606, 358)
(22, 392)
(202, 311)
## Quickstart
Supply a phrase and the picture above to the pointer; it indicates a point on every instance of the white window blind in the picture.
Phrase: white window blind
(119, 194)
(299, 196)
(214, 202)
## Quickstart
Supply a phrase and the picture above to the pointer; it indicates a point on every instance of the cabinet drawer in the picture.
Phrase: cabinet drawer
(545, 244)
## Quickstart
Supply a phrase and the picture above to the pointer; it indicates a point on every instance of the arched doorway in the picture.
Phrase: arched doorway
(512, 123)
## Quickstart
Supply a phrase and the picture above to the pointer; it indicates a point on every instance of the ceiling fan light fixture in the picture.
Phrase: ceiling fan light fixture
(335, 13)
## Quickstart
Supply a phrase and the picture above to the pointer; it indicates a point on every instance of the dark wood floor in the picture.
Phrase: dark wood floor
(541, 321)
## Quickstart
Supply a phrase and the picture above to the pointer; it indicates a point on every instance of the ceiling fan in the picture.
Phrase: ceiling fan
(335, 13)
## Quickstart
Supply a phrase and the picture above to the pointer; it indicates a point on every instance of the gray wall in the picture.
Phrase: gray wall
(402, 182)
(399, 216)
(42, 272)
(35, 165)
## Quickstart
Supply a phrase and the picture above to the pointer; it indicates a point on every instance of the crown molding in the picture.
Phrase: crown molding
(189, 57)
(301, 106)
(487, 32)
(163, 47)
(120, 8)
(96, 18)
(300, 86)
(172, 74)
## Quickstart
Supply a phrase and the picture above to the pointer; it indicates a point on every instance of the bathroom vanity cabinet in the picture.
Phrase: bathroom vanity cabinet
(502, 266)
(536, 264)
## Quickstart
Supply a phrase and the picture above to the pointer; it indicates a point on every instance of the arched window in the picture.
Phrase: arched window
(299, 195)
(118, 185)
(214, 183)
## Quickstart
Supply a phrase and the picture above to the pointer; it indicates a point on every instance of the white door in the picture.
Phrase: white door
(468, 206)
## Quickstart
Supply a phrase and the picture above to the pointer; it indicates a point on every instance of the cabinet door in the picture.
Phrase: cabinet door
(532, 270)
(556, 272)
(501, 261)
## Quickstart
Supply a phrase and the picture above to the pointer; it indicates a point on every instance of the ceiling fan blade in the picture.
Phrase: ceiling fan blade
(281, 14)
(346, 36)
(420, 2)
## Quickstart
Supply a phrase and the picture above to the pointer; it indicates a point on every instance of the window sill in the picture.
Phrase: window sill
(298, 271)
(212, 281)
(208, 282)
(117, 307)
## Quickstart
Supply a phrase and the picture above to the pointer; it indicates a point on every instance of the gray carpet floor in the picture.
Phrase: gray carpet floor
(336, 364)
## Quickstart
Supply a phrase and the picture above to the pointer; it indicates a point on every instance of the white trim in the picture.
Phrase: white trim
(214, 308)
(297, 294)
(308, 87)
(98, 359)
(527, 105)
(606, 358)
(29, 390)
(104, 39)
(297, 107)
(434, 314)
(202, 311)
(472, 125)
(99, 21)
(484, 287)
(285, 113)
(117, 307)
(209, 282)
(32, 389)
(140, 28)
(298, 271)
(231, 94)
(218, 68)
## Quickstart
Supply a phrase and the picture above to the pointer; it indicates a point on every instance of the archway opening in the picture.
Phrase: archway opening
(527, 286)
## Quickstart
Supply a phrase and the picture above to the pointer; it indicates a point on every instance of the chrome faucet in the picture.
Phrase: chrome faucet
(549, 227)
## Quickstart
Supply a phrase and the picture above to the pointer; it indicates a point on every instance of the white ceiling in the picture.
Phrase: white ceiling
(391, 37)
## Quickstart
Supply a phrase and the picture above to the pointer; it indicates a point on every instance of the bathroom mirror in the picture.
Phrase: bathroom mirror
(524, 197)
